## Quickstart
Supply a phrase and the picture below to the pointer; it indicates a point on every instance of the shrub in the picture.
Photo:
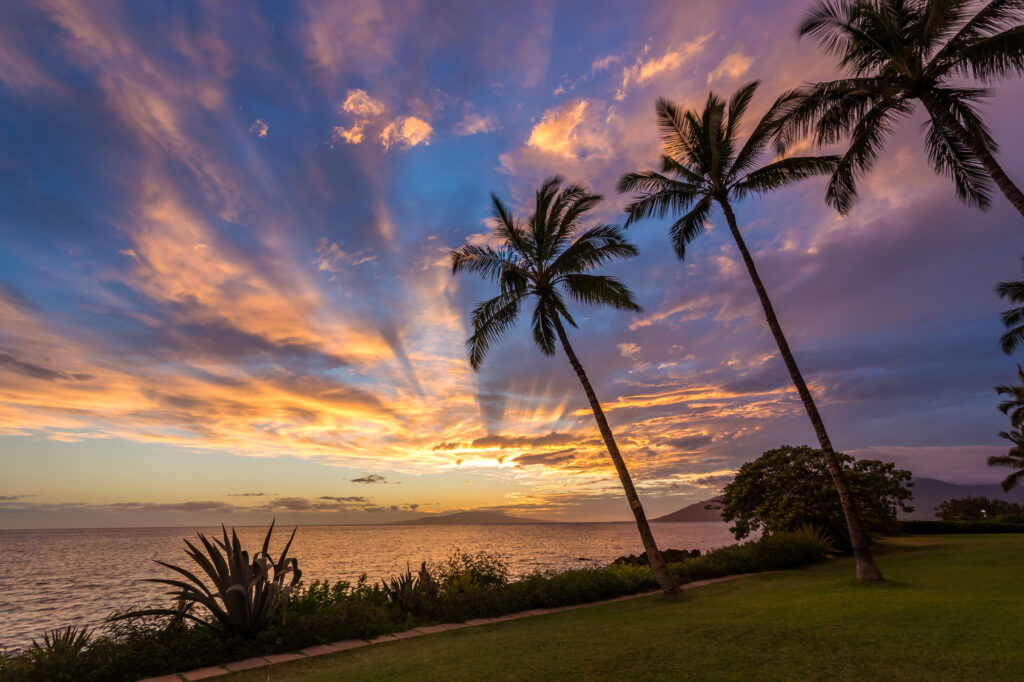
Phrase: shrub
(948, 527)
(483, 569)
(247, 593)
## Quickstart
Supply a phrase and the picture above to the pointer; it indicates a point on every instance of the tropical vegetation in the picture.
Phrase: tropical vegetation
(545, 261)
(1013, 319)
(155, 642)
(972, 508)
(246, 592)
(705, 162)
(791, 487)
(896, 52)
(948, 614)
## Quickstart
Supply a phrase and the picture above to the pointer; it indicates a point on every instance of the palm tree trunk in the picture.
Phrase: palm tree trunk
(867, 569)
(944, 118)
(661, 572)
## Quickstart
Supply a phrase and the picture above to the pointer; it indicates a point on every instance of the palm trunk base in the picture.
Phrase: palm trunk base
(867, 569)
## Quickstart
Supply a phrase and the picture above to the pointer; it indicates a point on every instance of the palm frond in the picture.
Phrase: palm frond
(491, 319)
(951, 158)
(595, 247)
(543, 327)
(866, 143)
(995, 16)
(784, 172)
(600, 290)
(690, 226)
(992, 58)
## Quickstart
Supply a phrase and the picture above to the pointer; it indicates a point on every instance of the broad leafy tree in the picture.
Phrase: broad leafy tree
(544, 263)
(896, 53)
(705, 162)
(789, 487)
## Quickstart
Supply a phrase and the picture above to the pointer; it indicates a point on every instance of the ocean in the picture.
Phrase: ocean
(53, 578)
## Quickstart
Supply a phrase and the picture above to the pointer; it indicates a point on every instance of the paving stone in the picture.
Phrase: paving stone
(163, 678)
(348, 644)
(430, 629)
(319, 650)
(204, 673)
(479, 621)
(284, 658)
(247, 664)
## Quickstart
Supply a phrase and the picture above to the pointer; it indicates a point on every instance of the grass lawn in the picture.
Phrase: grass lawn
(952, 609)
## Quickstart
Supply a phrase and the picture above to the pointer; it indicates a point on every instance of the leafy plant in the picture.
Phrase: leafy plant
(471, 570)
(246, 592)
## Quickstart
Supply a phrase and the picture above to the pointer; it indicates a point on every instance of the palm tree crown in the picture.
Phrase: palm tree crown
(898, 51)
(545, 259)
(704, 161)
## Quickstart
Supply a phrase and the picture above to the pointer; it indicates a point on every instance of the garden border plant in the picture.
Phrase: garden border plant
(138, 644)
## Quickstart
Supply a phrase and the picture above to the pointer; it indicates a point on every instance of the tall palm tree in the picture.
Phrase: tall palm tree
(544, 261)
(705, 163)
(898, 51)
(1013, 319)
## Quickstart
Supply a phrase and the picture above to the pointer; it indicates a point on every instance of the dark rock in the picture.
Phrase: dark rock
(670, 555)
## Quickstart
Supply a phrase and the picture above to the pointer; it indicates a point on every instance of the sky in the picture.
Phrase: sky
(225, 292)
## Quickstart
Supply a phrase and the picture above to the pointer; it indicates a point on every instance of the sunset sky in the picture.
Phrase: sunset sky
(225, 291)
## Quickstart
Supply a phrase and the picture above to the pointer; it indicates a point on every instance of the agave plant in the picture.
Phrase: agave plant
(246, 592)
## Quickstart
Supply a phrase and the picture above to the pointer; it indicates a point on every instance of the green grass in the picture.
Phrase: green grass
(952, 609)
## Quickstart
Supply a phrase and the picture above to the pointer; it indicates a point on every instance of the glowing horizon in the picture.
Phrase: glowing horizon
(225, 291)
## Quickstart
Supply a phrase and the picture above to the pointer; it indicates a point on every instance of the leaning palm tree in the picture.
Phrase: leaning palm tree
(544, 261)
(1014, 458)
(704, 163)
(898, 51)
(1013, 319)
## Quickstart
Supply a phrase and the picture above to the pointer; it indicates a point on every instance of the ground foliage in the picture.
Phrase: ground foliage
(463, 586)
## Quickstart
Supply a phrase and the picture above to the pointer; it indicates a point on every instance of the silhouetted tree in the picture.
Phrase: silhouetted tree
(976, 509)
(1013, 319)
(1014, 458)
(898, 51)
(1013, 407)
(544, 261)
(704, 163)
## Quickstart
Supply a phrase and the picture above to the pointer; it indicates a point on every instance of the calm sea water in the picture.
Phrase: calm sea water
(53, 578)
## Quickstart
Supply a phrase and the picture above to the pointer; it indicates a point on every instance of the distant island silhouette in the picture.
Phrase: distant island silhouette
(705, 510)
(467, 518)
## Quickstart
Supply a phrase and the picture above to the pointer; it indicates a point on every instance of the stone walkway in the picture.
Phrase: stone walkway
(322, 649)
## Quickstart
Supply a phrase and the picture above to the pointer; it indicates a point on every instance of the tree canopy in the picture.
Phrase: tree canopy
(789, 486)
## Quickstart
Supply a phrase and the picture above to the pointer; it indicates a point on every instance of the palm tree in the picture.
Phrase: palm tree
(898, 51)
(704, 163)
(544, 261)
(1013, 406)
(1013, 319)
(1014, 458)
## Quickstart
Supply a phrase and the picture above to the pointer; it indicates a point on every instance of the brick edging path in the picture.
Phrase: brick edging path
(322, 649)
